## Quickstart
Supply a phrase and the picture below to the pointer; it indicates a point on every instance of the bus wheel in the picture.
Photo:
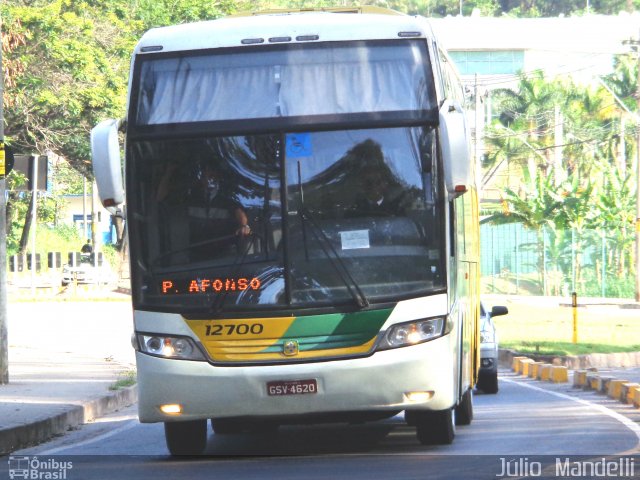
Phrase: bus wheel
(436, 428)
(186, 438)
(464, 410)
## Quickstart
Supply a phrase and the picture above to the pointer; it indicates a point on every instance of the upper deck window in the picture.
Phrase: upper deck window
(284, 81)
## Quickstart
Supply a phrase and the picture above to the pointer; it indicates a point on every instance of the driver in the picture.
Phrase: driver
(217, 221)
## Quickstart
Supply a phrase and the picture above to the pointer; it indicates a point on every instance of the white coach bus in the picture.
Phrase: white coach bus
(303, 223)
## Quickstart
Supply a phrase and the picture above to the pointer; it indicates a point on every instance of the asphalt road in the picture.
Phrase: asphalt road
(521, 425)
(101, 329)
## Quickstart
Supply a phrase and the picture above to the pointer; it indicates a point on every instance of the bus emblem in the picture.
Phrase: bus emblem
(290, 348)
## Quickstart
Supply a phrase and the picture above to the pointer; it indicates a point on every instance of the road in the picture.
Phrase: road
(519, 424)
(101, 329)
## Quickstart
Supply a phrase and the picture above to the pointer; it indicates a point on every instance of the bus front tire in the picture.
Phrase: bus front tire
(436, 428)
(186, 438)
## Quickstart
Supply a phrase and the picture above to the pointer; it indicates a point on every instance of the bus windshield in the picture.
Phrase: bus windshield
(282, 211)
(299, 219)
(284, 81)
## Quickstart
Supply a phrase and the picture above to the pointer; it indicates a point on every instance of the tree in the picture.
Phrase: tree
(616, 217)
(66, 75)
(66, 68)
(536, 206)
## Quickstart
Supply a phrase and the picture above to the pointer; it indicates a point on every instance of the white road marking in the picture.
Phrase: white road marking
(130, 424)
(630, 424)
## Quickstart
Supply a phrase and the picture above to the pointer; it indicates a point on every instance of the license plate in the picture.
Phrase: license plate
(292, 387)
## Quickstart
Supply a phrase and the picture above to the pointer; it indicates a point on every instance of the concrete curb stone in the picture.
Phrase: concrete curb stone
(22, 436)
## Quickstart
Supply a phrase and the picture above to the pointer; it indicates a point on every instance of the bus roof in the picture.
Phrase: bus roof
(282, 27)
(353, 9)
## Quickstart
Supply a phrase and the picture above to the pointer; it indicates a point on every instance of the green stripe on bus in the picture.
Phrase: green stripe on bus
(336, 330)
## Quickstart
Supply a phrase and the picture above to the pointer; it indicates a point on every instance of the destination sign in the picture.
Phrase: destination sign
(208, 285)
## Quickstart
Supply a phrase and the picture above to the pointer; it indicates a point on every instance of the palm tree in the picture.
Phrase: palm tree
(616, 217)
(575, 214)
(536, 206)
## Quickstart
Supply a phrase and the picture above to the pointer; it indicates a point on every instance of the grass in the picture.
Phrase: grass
(126, 379)
(536, 326)
(566, 348)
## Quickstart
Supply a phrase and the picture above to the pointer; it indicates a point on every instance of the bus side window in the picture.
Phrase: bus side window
(438, 63)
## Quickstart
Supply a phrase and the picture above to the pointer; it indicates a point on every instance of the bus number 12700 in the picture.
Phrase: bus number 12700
(234, 329)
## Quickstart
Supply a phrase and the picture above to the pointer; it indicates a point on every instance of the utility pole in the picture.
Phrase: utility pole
(34, 222)
(4, 343)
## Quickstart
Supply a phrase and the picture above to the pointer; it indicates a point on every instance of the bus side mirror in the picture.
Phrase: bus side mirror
(458, 168)
(105, 153)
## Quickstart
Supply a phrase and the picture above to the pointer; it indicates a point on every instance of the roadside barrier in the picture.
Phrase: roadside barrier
(587, 379)
(626, 392)
(615, 387)
(545, 372)
(540, 370)
(636, 397)
(559, 374)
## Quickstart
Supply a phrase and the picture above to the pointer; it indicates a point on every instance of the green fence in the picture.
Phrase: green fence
(592, 263)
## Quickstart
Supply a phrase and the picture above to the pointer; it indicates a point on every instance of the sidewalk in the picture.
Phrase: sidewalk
(64, 361)
(51, 392)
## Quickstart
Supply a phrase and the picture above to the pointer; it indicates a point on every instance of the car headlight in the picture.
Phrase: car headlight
(486, 337)
(169, 347)
(412, 333)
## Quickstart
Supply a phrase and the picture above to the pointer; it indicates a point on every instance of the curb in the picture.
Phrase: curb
(22, 436)
(577, 362)
(621, 390)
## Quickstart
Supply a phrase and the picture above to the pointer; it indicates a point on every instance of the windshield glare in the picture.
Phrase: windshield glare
(300, 219)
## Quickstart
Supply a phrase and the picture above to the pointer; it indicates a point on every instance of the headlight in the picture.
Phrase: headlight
(486, 336)
(169, 347)
(411, 333)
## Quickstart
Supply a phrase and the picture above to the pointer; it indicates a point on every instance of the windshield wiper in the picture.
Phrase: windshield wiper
(218, 303)
(336, 261)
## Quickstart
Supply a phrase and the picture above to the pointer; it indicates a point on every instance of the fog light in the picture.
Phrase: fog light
(171, 409)
(418, 397)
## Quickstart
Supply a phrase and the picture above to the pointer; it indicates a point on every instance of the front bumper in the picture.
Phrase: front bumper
(376, 383)
(488, 358)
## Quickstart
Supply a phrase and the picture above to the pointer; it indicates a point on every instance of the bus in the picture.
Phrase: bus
(303, 224)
